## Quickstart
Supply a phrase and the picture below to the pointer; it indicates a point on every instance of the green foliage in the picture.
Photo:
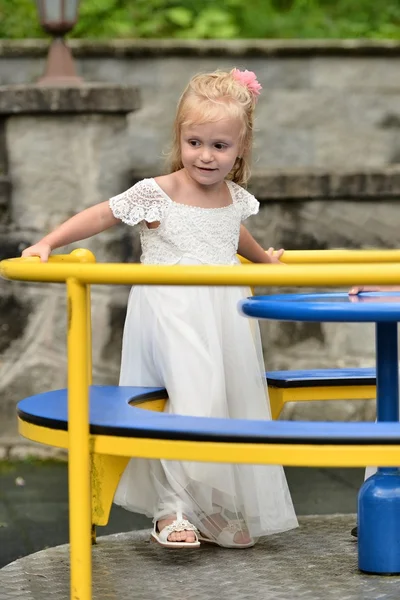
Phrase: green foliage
(221, 19)
(18, 19)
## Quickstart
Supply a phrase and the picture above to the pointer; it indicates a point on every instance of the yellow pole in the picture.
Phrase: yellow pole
(82, 255)
(89, 334)
(78, 433)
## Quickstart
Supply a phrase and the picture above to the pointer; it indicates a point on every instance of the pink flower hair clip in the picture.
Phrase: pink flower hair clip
(248, 79)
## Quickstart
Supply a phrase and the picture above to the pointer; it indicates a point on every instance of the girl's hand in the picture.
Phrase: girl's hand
(41, 249)
(275, 256)
(372, 288)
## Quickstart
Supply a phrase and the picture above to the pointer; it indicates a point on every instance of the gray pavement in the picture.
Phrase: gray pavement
(317, 561)
(34, 509)
(34, 503)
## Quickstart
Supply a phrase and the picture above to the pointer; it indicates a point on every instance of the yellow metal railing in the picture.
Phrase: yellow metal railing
(78, 270)
(338, 256)
(317, 275)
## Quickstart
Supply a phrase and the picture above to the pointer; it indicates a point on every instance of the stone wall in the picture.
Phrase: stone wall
(326, 169)
(329, 105)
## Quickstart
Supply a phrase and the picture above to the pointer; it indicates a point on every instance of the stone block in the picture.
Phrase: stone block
(359, 148)
(351, 224)
(330, 410)
(71, 168)
(321, 107)
(27, 71)
(291, 74)
(90, 98)
(374, 108)
(315, 345)
(276, 148)
(302, 184)
(321, 224)
(359, 73)
(300, 108)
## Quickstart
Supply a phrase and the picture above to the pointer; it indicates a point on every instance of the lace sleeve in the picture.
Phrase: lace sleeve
(246, 202)
(141, 202)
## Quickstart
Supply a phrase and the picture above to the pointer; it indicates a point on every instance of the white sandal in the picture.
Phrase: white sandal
(226, 537)
(180, 524)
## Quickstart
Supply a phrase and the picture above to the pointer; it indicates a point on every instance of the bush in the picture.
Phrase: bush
(225, 19)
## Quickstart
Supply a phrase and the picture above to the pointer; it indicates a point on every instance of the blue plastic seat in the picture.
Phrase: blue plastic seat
(111, 406)
(322, 377)
(112, 413)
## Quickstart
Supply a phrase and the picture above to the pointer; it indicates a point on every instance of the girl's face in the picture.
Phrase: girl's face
(209, 150)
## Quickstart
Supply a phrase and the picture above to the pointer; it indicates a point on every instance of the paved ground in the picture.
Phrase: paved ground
(318, 561)
(34, 507)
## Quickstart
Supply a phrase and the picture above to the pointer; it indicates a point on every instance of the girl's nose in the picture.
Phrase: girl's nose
(206, 155)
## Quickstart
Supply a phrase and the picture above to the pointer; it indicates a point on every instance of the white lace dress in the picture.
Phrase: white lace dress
(192, 341)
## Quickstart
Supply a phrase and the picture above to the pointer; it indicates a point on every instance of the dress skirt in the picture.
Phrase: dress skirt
(193, 342)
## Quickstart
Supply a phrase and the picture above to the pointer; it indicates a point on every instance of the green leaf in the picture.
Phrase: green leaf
(180, 16)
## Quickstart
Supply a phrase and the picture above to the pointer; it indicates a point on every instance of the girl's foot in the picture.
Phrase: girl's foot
(226, 532)
(175, 533)
(185, 535)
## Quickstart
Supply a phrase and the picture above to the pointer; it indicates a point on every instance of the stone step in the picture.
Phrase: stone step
(320, 184)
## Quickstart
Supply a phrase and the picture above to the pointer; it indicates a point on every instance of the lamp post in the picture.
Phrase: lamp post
(57, 17)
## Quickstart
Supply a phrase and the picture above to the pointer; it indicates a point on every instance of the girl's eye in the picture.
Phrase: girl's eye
(194, 143)
(220, 146)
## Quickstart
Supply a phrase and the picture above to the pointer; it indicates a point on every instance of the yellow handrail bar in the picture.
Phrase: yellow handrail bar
(327, 275)
(336, 255)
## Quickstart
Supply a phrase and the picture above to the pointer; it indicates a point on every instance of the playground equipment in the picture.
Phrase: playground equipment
(158, 435)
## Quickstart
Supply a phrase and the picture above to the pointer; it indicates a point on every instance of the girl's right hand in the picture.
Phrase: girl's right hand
(40, 249)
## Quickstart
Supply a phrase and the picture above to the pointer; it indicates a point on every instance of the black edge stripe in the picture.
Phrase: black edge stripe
(63, 426)
(43, 421)
(201, 437)
(309, 383)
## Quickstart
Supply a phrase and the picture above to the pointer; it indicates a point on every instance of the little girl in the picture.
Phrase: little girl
(191, 340)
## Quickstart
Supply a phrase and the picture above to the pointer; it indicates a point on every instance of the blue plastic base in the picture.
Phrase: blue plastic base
(379, 523)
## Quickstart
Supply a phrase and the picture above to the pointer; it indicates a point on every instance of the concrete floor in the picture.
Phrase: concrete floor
(34, 503)
(318, 561)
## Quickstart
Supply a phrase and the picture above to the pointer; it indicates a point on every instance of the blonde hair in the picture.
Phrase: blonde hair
(205, 96)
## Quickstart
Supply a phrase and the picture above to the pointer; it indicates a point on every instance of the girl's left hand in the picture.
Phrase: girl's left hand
(274, 256)
(373, 288)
